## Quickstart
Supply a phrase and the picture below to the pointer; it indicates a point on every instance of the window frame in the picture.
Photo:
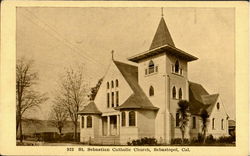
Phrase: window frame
(174, 93)
(177, 119)
(108, 100)
(82, 124)
(117, 98)
(213, 123)
(123, 118)
(151, 91)
(89, 121)
(151, 67)
(180, 94)
(116, 83)
(132, 119)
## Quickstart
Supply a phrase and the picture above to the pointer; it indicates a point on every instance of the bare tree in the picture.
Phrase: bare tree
(26, 97)
(73, 94)
(58, 116)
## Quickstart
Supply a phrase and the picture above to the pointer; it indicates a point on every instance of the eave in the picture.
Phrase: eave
(167, 49)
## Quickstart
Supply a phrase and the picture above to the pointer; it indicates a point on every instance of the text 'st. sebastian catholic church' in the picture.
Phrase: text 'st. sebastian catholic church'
(142, 101)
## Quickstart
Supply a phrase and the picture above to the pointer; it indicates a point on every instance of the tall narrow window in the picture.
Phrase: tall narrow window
(151, 67)
(107, 85)
(180, 93)
(146, 71)
(108, 103)
(82, 121)
(112, 99)
(176, 66)
(213, 120)
(172, 68)
(89, 122)
(177, 119)
(218, 105)
(156, 69)
(174, 92)
(131, 118)
(222, 122)
(116, 83)
(117, 98)
(123, 119)
(112, 84)
(151, 91)
(194, 122)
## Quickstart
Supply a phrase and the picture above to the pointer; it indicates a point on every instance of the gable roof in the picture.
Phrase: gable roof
(90, 109)
(200, 99)
(138, 100)
(162, 36)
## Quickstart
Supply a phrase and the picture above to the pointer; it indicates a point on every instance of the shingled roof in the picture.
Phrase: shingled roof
(138, 100)
(162, 36)
(90, 109)
(200, 99)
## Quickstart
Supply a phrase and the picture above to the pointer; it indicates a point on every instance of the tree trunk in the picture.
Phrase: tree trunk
(75, 133)
(21, 131)
(17, 123)
(204, 139)
(182, 136)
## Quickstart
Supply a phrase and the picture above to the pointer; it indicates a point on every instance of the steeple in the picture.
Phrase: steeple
(162, 36)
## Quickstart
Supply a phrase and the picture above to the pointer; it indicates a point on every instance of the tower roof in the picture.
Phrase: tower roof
(162, 36)
(162, 43)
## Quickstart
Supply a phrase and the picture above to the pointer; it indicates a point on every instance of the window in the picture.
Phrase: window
(194, 122)
(213, 123)
(89, 122)
(123, 119)
(82, 121)
(181, 71)
(218, 105)
(180, 93)
(177, 120)
(151, 67)
(112, 99)
(146, 71)
(112, 84)
(174, 93)
(156, 68)
(176, 66)
(116, 83)
(131, 118)
(117, 98)
(222, 122)
(108, 100)
(151, 91)
(107, 85)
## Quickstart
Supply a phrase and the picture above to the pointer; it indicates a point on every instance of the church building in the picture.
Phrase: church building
(142, 101)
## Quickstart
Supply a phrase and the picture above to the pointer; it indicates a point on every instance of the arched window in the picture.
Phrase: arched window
(107, 85)
(194, 122)
(123, 119)
(89, 122)
(112, 84)
(151, 91)
(131, 118)
(116, 83)
(82, 121)
(117, 98)
(108, 103)
(180, 93)
(174, 93)
(177, 119)
(213, 120)
(112, 99)
(176, 66)
(222, 124)
(151, 67)
(218, 105)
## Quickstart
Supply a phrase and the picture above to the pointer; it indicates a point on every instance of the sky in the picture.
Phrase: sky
(58, 38)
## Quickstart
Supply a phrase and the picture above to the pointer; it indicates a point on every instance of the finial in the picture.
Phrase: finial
(112, 53)
(162, 12)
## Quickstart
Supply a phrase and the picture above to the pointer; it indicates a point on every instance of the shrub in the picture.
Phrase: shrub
(210, 139)
(226, 139)
(143, 142)
(179, 141)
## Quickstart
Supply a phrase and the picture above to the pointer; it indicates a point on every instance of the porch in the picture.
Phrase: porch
(110, 125)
